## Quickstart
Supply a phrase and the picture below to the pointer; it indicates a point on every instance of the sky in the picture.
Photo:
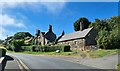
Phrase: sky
(27, 16)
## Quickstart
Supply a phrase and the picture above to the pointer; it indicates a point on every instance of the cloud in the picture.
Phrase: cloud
(2, 36)
(9, 21)
(4, 33)
(52, 6)
(33, 1)
(59, 0)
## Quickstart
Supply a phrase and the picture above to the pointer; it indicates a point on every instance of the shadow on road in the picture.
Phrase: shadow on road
(4, 62)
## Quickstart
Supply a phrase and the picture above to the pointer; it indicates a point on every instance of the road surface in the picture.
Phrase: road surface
(44, 62)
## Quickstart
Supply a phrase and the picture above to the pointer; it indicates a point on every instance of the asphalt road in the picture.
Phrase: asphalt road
(45, 62)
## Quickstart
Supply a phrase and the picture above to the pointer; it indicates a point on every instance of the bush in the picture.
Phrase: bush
(49, 48)
(118, 67)
(17, 45)
(2, 51)
(33, 48)
(65, 48)
(46, 48)
(26, 48)
(22, 35)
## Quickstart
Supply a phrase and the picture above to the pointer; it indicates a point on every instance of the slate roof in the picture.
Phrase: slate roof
(75, 35)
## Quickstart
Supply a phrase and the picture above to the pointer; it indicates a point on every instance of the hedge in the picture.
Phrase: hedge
(63, 48)
(2, 51)
(46, 48)
(49, 48)
(26, 48)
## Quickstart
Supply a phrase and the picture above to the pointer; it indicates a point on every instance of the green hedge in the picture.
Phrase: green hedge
(49, 48)
(46, 48)
(26, 48)
(2, 52)
(17, 45)
(65, 48)
(118, 67)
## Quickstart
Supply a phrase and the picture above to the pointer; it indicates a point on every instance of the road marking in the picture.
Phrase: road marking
(21, 65)
(1, 59)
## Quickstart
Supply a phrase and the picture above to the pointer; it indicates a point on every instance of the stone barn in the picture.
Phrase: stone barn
(82, 39)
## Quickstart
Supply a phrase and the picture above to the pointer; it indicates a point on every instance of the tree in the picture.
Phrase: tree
(1, 41)
(10, 37)
(100, 25)
(22, 35)
(17, 45)
(108, 34)
(84, 20)
(114, 22)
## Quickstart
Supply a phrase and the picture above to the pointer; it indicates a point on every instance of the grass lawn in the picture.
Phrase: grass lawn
(83, 54)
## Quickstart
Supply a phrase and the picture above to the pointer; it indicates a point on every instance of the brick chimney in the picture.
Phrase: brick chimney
(81, 26)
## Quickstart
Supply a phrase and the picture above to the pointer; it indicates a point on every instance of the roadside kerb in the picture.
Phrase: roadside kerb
(21, 65)
(1, 59)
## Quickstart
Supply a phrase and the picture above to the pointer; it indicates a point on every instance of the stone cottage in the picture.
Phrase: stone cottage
(43, 38)
(81, 39)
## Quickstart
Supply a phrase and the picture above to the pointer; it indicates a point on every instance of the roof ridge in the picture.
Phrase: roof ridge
(74, 35)
(79, 31)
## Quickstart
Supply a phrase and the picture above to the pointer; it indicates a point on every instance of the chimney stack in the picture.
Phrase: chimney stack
(37, 32)
(50, 28)
(81, 26)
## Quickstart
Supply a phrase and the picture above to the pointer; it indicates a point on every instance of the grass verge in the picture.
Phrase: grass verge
(48, 53)
(83, 54)
(118, 67)
(102, 53)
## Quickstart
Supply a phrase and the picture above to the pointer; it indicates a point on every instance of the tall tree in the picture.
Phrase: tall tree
(84, 20)
(22, 35)
(1, 41)
(108, 34)
(101, 25)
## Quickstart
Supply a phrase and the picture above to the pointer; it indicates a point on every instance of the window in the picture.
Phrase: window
(75, 43)
(68, 43)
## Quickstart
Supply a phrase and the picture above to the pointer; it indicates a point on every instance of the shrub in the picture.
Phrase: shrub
(49, 48)
(17, 45)
(22, 35)
(2, 51)
(33, 48)
(118, 67)
(26, 48)
(65, 48)
(46, 48)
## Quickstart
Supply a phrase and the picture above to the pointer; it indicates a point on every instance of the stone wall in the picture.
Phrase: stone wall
(83, 43)
(75, 44)
(91, 38)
